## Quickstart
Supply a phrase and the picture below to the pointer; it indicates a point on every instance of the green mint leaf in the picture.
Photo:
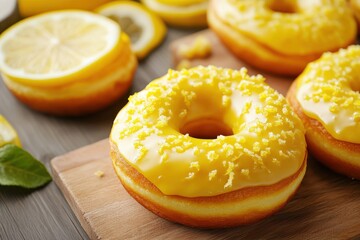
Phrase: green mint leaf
(19, 168)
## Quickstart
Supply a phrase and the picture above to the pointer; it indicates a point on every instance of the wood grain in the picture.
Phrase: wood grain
(326, 206)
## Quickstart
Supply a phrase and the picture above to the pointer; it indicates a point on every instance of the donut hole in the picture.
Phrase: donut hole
(206, 128)
(282, 6)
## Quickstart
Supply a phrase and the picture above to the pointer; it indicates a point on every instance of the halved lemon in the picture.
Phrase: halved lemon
(145, 29)
(189, 13)
(59, 47)
(8, 133)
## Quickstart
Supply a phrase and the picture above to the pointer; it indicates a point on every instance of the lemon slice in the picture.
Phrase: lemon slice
(176, 13)
(7, 133)
(58, 47)
(145, 29)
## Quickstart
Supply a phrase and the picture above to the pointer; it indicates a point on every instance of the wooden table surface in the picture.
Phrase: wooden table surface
(44, 213)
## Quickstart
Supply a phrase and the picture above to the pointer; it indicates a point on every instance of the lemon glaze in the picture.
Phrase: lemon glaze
(267, 144)
(328, 90)
(312, 26)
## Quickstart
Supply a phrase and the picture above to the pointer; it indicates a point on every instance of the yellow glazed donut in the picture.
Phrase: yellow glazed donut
(282, 36)
(326, 97)
(209, 147)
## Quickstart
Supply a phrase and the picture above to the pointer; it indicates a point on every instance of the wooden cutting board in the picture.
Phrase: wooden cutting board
(327, 205)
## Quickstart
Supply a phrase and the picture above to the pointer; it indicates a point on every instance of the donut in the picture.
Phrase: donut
(326, 97)
(209, 147)
(282, 37)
